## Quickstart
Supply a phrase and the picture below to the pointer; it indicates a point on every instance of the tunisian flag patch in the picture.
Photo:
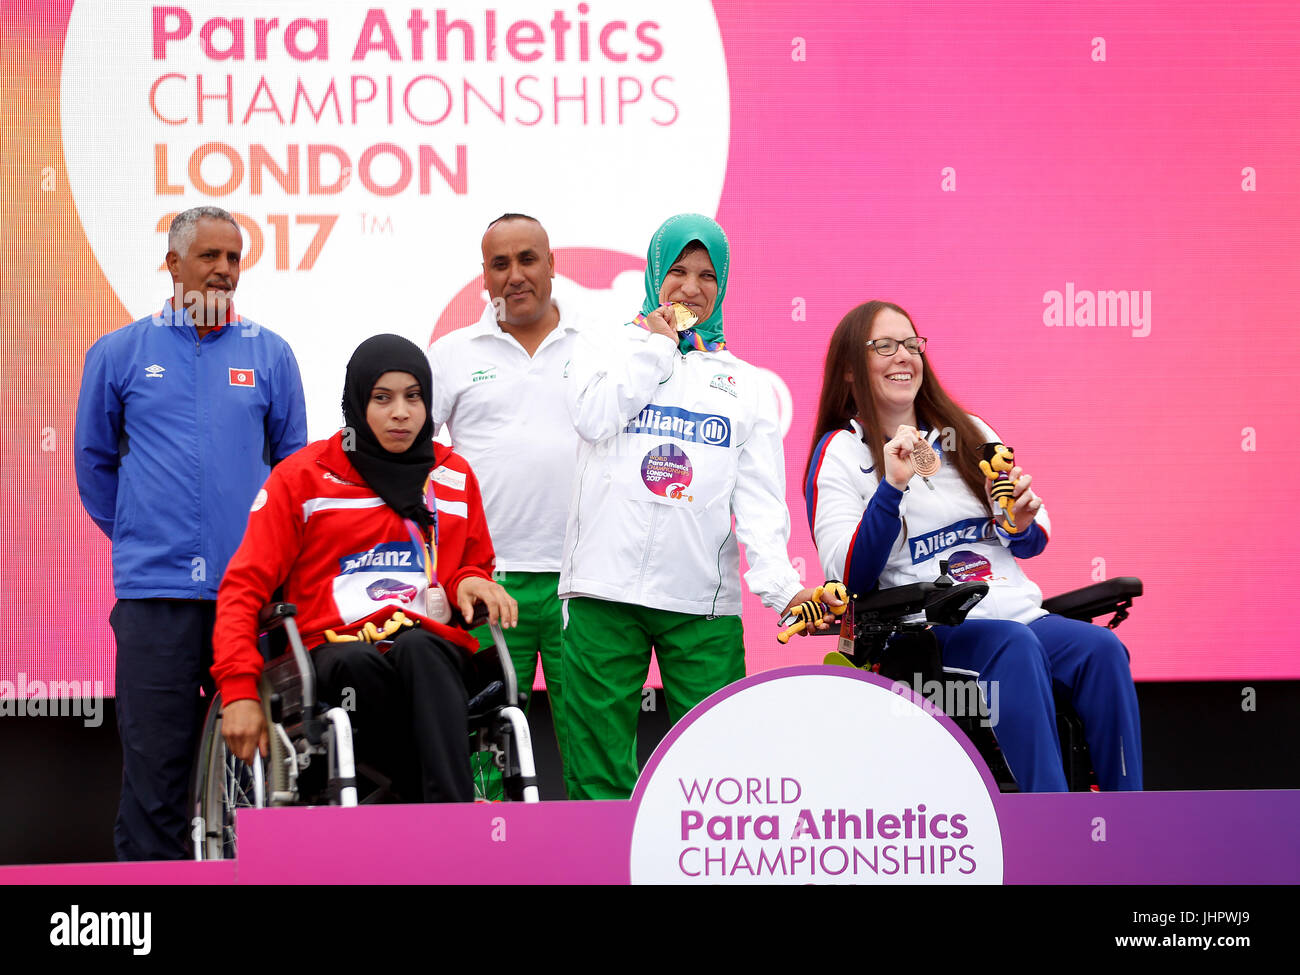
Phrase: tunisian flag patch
(242, 377)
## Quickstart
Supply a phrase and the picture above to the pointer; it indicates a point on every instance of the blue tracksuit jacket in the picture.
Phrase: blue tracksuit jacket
(175, 436)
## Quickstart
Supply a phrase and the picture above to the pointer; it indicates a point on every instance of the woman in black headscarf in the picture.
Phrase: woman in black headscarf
(375, 535)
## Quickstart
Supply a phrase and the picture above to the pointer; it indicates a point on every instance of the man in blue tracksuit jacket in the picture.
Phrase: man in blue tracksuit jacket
(179, 419)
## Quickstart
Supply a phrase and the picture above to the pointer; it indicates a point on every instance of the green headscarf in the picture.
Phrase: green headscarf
(665, 247)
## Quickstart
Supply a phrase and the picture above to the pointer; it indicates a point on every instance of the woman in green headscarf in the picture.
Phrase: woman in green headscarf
(678, 437)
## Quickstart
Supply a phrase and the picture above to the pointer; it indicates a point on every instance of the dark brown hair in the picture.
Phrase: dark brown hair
(842, 400)
(690, 248)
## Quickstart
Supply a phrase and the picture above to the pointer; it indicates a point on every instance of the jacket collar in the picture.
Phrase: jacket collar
(487, 323)
(179, 319)
(335, 459)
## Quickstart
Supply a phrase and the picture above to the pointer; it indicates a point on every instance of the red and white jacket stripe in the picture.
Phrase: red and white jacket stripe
(343, 556)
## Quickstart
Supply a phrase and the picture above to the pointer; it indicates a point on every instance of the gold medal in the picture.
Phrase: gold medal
(682, 317)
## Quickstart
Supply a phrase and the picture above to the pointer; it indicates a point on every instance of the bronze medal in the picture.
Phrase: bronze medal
(925, 460)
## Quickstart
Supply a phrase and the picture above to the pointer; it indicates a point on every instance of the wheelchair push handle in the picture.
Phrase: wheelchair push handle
(481, 616)
(273, 615)
(828, 603)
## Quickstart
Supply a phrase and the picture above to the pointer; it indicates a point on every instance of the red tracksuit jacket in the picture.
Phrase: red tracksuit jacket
(344, 557)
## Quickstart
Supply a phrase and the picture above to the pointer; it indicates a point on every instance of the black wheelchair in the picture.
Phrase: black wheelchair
(310, 760)
(890, 637)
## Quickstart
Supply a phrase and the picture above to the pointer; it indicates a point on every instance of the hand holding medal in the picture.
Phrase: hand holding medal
(910, 453)
(925, 459)
(670, 319)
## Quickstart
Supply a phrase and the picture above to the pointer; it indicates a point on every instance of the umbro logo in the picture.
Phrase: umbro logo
(154, 372)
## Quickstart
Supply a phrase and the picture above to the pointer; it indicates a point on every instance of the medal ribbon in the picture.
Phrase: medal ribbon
(428, 553)
(688, 339)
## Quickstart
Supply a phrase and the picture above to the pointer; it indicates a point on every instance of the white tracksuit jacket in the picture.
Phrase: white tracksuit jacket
(672, 447)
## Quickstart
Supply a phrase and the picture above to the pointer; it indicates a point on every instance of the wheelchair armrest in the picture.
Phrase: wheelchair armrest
(1111, 596)
(290, 662)
(892, 604)
(949, 605)
(941, 604)
(273, 615)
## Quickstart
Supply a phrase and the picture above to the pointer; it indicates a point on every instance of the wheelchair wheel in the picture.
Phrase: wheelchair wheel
(221, 786)
(502, 763)
(486, 772)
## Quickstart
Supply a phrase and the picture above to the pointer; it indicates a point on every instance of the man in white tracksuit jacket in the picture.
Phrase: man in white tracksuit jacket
(678, 435)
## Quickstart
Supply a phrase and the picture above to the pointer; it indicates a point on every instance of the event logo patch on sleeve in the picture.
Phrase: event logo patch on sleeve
(667, 472)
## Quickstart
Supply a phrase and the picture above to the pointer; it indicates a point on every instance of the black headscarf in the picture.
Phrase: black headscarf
(397, 478)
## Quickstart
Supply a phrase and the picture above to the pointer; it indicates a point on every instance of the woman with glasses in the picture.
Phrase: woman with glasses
(878, 523)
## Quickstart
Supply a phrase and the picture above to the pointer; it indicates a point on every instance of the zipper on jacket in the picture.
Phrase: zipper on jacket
(198, 444)
(649, 547)
(577, 526)
(713, 610)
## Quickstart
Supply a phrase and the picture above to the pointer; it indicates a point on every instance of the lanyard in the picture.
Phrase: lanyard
(428, 553)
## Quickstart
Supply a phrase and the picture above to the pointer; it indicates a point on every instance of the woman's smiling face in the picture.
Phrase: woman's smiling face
(895, 379)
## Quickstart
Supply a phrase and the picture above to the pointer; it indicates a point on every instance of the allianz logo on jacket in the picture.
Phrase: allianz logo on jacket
(390, 555)
(968, 530)
(670, 421)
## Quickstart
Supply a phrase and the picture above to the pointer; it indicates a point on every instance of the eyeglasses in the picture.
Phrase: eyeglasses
(887, 347)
